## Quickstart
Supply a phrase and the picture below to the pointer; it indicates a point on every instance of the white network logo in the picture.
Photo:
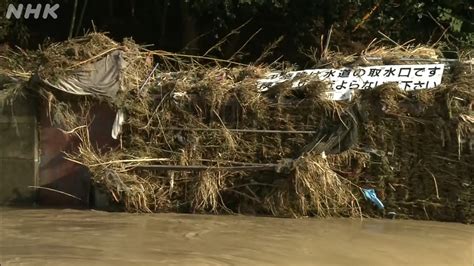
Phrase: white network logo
(17, 11)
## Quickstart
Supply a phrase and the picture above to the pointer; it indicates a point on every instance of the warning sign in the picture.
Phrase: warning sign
(343, 81)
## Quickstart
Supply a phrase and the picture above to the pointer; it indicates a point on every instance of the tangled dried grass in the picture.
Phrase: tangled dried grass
(204, 139)
(423, 147)
(318, 187)
(375, 54)
(224, 122)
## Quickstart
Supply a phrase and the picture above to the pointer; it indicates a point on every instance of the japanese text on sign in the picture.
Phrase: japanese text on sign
(344, 80)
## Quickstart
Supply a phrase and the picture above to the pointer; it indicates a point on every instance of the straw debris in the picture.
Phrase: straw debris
(202, 138)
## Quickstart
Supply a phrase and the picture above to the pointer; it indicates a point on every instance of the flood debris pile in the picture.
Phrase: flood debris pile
(421, 146)
(204, 138)
(208, 141)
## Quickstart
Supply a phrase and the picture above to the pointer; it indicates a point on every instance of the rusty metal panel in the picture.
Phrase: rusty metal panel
(60, 174)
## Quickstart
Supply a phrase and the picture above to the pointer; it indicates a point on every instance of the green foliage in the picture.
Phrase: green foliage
(424, 21)
(354, 22)
(13, 30)
(4, 23)
(446, 15)
(457, 18)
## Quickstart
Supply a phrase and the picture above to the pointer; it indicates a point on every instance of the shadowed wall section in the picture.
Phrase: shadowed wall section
(18, 151)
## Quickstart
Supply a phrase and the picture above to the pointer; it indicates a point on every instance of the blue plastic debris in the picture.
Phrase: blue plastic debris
(369, 194)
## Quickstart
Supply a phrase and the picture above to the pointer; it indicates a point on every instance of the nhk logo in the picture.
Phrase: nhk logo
(44, 10)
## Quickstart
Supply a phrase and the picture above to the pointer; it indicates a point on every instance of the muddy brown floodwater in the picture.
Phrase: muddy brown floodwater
(71, 237)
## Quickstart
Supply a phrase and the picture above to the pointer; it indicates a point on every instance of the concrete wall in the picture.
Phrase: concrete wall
(18, 152)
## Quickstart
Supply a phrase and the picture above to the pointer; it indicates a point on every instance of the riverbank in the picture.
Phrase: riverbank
(201, 136)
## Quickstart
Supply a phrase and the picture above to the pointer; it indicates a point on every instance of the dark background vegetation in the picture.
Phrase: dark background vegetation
(293, 27)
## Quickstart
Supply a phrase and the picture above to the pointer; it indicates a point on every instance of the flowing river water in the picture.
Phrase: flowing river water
(73, 237)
